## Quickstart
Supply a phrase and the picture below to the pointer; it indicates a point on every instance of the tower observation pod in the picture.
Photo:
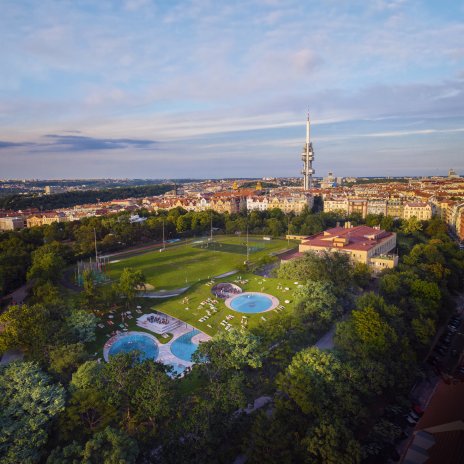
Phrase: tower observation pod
(307, 156)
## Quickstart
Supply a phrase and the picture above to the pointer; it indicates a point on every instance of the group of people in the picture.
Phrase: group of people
(158, 320)
(226, 290)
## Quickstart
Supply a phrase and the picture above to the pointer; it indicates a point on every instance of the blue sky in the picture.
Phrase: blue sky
(212, 88)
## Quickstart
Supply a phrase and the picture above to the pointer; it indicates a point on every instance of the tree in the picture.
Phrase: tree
(48, 262)
(367, 334)
(70, 454)
(152, 403)
(14, 261)
(234, 349)
(88, 412)
(88, 375)
(436, 227)
(412, 225)
(64, 359)
(25, 327)
(82, 325)
(362, 274)
(110, 446)
(47, 294)
(326, 267)
(330, 441)
(317, 304)
(272, 440)
(129, 281)
(29, 402)
(89, 289)
(318, 382)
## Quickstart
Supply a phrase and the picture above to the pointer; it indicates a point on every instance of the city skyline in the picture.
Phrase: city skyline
(143, 89)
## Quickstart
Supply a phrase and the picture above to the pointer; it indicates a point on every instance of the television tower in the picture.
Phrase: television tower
(307, 156)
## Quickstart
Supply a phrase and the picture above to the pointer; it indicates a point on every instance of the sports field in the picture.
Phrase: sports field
(188, 263)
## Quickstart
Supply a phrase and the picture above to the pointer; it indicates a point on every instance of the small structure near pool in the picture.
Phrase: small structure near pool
(225, 290)
(158, 322)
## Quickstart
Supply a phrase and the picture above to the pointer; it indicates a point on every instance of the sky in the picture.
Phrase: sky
(221, 88)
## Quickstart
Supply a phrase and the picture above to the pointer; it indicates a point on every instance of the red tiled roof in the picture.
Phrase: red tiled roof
(446, 405)
(359, 238)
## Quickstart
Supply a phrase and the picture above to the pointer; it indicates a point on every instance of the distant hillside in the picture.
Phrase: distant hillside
(68, 199)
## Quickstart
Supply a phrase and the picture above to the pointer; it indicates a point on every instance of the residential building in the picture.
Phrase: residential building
(11, 223)
(438, 437)
(421, 211)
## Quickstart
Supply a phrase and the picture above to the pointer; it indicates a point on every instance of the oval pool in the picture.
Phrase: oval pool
(183, 347)
(252, 302)
(135, 341)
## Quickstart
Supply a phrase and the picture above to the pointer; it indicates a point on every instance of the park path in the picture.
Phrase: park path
(19, 295)
(326, 342)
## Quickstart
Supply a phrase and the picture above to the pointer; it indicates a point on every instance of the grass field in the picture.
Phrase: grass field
(188, 263)
(191, 312)
(192, 264)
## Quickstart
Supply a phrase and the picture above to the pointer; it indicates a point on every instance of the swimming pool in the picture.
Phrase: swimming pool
(135, 341)
(183, 347)
(252, 302)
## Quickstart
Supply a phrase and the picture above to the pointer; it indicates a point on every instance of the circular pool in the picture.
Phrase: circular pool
(124, 343)
(252, 302)
(183, 347)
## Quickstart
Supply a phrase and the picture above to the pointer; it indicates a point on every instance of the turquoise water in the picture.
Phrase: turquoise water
(251, 303)
(183, 347)
(141, 342)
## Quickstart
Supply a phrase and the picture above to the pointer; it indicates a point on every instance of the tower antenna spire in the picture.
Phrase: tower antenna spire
(307, 156)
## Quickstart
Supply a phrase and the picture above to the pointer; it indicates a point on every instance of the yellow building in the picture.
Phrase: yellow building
(421, 211)
(45, 219)
(363, 244)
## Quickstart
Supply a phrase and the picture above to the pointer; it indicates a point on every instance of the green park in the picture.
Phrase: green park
(182, 276)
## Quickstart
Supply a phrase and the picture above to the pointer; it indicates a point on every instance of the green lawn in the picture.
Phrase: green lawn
(200, 292)
(189, 263)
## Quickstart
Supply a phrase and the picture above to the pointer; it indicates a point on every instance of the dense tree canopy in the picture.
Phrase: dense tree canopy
(29, 401)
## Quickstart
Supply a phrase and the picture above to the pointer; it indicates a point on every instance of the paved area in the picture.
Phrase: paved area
(226, 274)
(326, 342)
(164, 354)
(10, 356)
(20, 294)
(164, 293)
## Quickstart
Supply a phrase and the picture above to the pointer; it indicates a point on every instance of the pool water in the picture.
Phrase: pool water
(135, 341)
(183, 347)
(251, 303)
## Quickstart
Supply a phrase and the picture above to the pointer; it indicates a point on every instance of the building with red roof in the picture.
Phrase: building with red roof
(439, 435)
(364, 244)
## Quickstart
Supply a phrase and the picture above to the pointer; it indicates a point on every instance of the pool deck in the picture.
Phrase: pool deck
(165, 355)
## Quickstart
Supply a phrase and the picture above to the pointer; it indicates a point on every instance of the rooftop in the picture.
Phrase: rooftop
(360, 238)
